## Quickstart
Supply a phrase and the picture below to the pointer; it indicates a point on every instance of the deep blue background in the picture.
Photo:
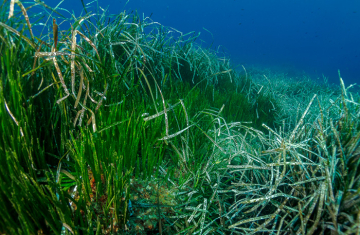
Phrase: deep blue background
(295, 36)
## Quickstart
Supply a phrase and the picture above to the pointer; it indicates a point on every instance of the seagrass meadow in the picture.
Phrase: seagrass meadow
(115, 124)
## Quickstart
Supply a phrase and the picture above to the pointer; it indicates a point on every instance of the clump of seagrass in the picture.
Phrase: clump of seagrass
(110, 77)
(304, 181)
(57, 175)
(293, 94)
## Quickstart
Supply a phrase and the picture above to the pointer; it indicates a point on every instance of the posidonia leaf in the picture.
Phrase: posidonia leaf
(68, 174)
(11, 11)
(18, 34)
(23, 10)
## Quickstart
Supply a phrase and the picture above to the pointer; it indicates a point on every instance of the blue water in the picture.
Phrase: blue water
(314, 37)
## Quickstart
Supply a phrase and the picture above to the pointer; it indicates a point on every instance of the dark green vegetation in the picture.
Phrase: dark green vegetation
(88, 111)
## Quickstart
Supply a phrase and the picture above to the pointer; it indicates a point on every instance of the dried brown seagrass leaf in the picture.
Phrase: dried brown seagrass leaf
(64, 59)
(302, 227)
(249, 220)
(272, 216)
(62, 99)
(72, 65)
(187, 124)
(281, 224)
(50, 54)
(43, 89)
(302, 118)
(164, 105)
(77, 116)
(99, 103)
(68, 228)
(175, 134)
(151, 93)
(307, 181)
(216, 144)
(13, 117)
(92, 119)
(103, 97)
(55, 33)
(90, 42)
(112, 125)
(80, 88)
(343, 95)
(56, 82)
(68, 174)
(292, 164)
(87, 66)
(11, 10)
(247, 167)
(61, 77)
(314, 198)
(195, 210)
(323, 190)
(330, 188)
(26, 18)
(84, 103)
(160, 113)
